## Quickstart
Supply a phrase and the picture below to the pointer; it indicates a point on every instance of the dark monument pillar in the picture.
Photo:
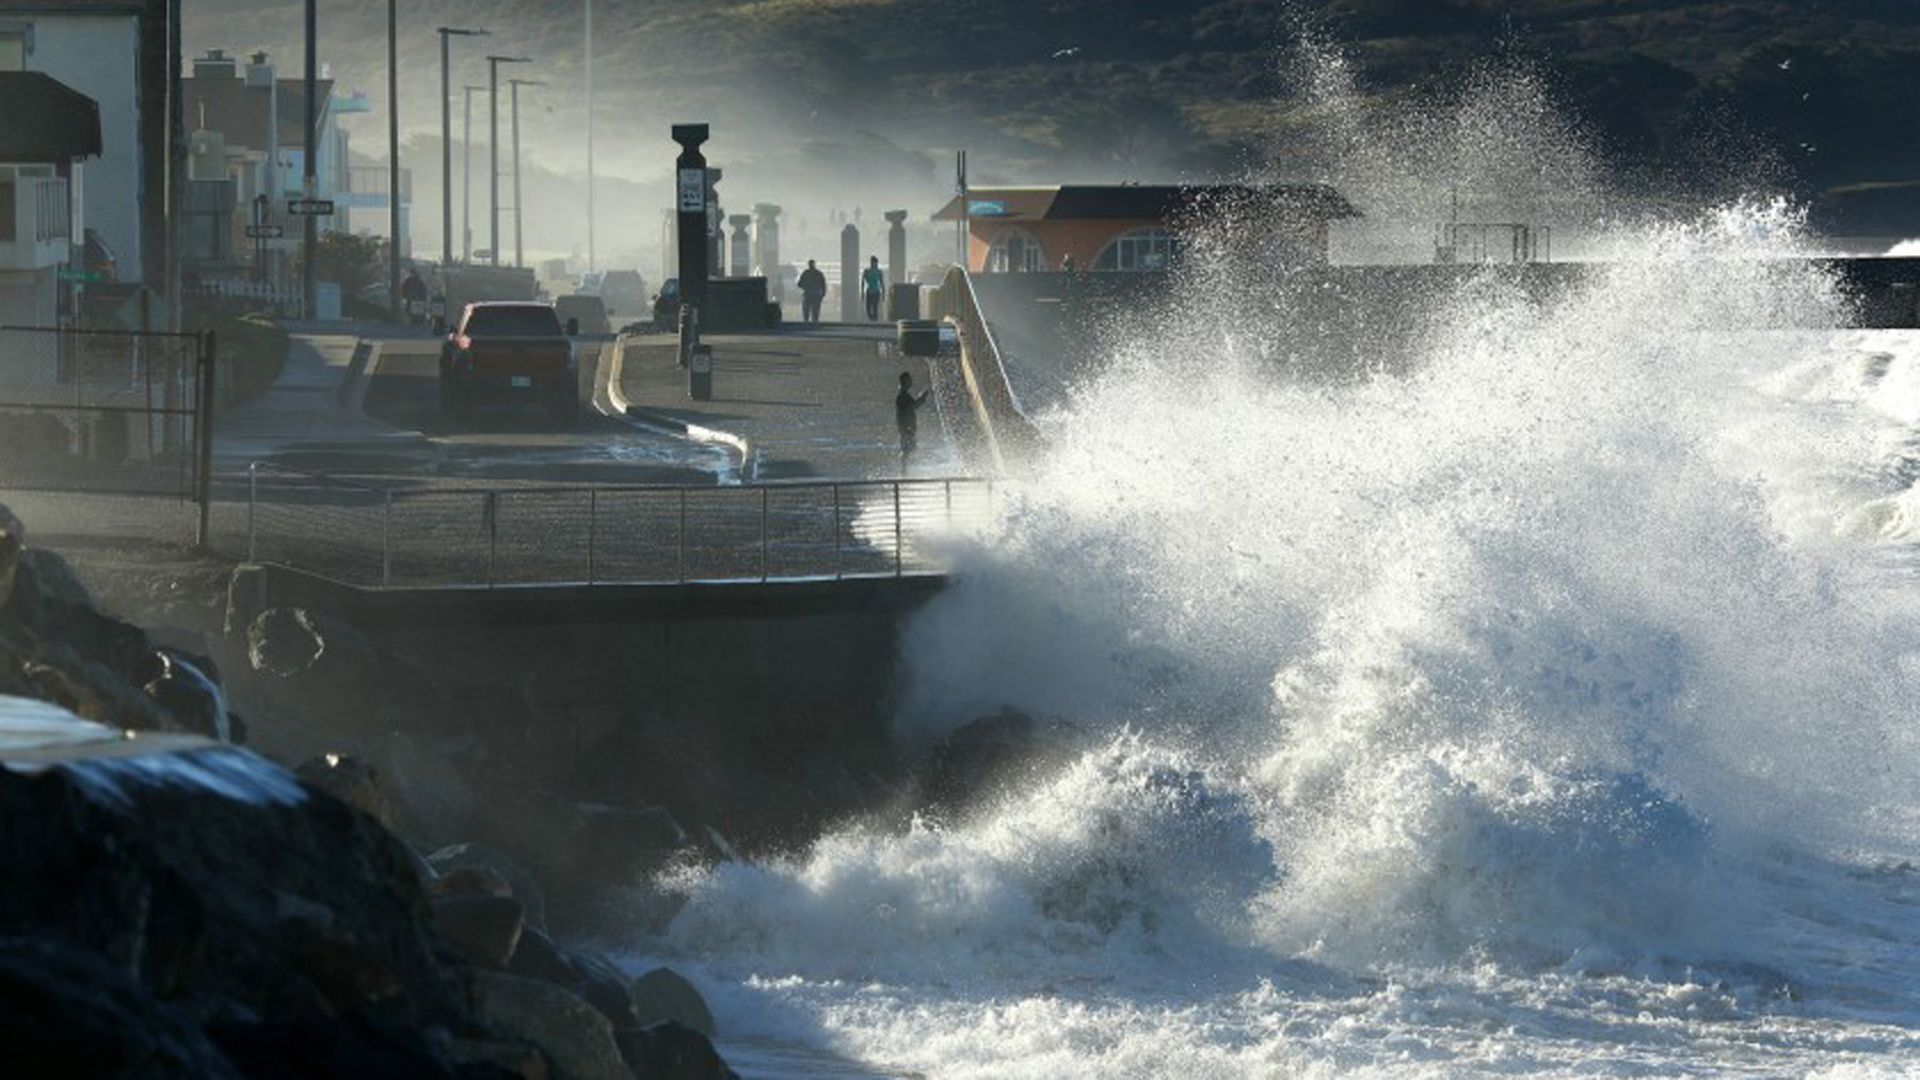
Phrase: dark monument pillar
(742, 243)
(690, 173)
(716, 227)
(850, 273)
(896, 247)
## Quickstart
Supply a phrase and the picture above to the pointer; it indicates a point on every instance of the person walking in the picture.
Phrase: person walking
(413, 292)
(813, 290)
(906, 416)
(873, 282)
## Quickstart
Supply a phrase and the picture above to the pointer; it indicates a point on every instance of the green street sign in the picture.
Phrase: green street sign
(84, 277)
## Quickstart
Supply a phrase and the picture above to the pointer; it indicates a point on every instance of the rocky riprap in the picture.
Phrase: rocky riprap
(178, 906)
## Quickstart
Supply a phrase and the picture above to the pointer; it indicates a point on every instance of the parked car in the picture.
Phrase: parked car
(584, 314)
(623, 291)
(666, 306)
(508, 351)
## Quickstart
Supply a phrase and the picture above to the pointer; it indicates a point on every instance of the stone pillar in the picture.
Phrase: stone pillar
(716, 227)
(850, 273)
(896, 247)
(742, 243)
(766, 248)
(693, 191)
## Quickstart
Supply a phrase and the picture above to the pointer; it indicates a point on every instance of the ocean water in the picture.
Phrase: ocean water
(1548, 705)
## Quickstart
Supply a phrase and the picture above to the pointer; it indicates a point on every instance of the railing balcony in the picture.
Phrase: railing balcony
(35, 222)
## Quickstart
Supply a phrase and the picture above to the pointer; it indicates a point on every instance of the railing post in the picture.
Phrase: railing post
(386, 539)
(839, 564)
(899, 547)
(766, 566)
(253, 502)
(682, 575)
(493, 532)
(207, 362)
(593, 519)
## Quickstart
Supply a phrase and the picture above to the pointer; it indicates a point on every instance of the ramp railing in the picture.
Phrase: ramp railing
(1008, 433)
(432, 537)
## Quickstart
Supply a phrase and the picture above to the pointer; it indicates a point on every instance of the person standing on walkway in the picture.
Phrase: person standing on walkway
(813, 289)
(413, 292)
(906, 416)
(873, 283)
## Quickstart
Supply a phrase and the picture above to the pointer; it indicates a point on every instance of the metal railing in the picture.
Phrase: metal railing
(384, 537)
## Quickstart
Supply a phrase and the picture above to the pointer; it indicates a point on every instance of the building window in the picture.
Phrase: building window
(9, 212)
(1139, 250)
(16, 44)
(1016, 251)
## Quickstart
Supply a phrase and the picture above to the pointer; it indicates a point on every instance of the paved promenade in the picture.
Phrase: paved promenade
(811, 402)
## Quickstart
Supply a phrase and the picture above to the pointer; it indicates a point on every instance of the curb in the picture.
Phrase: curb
(667, 425)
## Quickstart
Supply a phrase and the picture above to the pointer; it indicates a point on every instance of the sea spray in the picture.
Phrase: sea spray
(1537, 702)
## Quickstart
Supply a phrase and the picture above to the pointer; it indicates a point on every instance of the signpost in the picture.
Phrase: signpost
(265, 232)
(690, 172)
(310, 207)
(81, 275)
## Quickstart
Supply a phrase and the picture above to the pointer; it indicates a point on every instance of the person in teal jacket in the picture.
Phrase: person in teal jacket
(873, 283)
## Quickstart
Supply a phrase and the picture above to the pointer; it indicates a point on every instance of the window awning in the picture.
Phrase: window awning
(47, 121)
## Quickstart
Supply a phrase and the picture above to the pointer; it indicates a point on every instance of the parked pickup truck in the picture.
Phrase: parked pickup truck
(509, 352)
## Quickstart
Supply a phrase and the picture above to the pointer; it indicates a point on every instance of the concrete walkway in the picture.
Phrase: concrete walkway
(811, 402)
(309, 407)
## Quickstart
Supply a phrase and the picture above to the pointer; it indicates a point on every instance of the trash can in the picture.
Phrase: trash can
(903, 302)
(918, 337)
(700, 373)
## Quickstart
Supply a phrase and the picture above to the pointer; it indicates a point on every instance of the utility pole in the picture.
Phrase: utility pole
(446, 140)
(493, 153)
(309, 169)
(466, 176)
(590, 249)
(393, 159)
(518, 256)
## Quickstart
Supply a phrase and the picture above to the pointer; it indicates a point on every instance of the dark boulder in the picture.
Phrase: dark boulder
(526, 888)
(595, 980)
(214, 876)
(571, 1033)
(665, 994)
(672, 1051)
(486, 929)
(188, 688)
(350, 780)
(66, 1010)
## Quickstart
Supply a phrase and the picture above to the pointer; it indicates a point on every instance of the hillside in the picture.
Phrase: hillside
(863, 100)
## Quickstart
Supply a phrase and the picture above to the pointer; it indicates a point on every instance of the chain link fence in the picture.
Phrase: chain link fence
(100, 412)
(373, 536)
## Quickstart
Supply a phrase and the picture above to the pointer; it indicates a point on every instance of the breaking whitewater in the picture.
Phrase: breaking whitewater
(1544, 702)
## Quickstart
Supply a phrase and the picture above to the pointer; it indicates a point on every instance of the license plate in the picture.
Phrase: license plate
(521, 382)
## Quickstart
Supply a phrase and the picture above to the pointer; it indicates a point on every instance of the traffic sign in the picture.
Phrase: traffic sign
(310, 207)
(85, 277)
(265, 232)
(693, 190)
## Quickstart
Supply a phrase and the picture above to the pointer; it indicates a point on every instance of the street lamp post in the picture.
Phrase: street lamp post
(393, 160)
(466, 175)
(310, 234)
(493, 152)
(446, 141)
(519, 258)
(590, 250)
